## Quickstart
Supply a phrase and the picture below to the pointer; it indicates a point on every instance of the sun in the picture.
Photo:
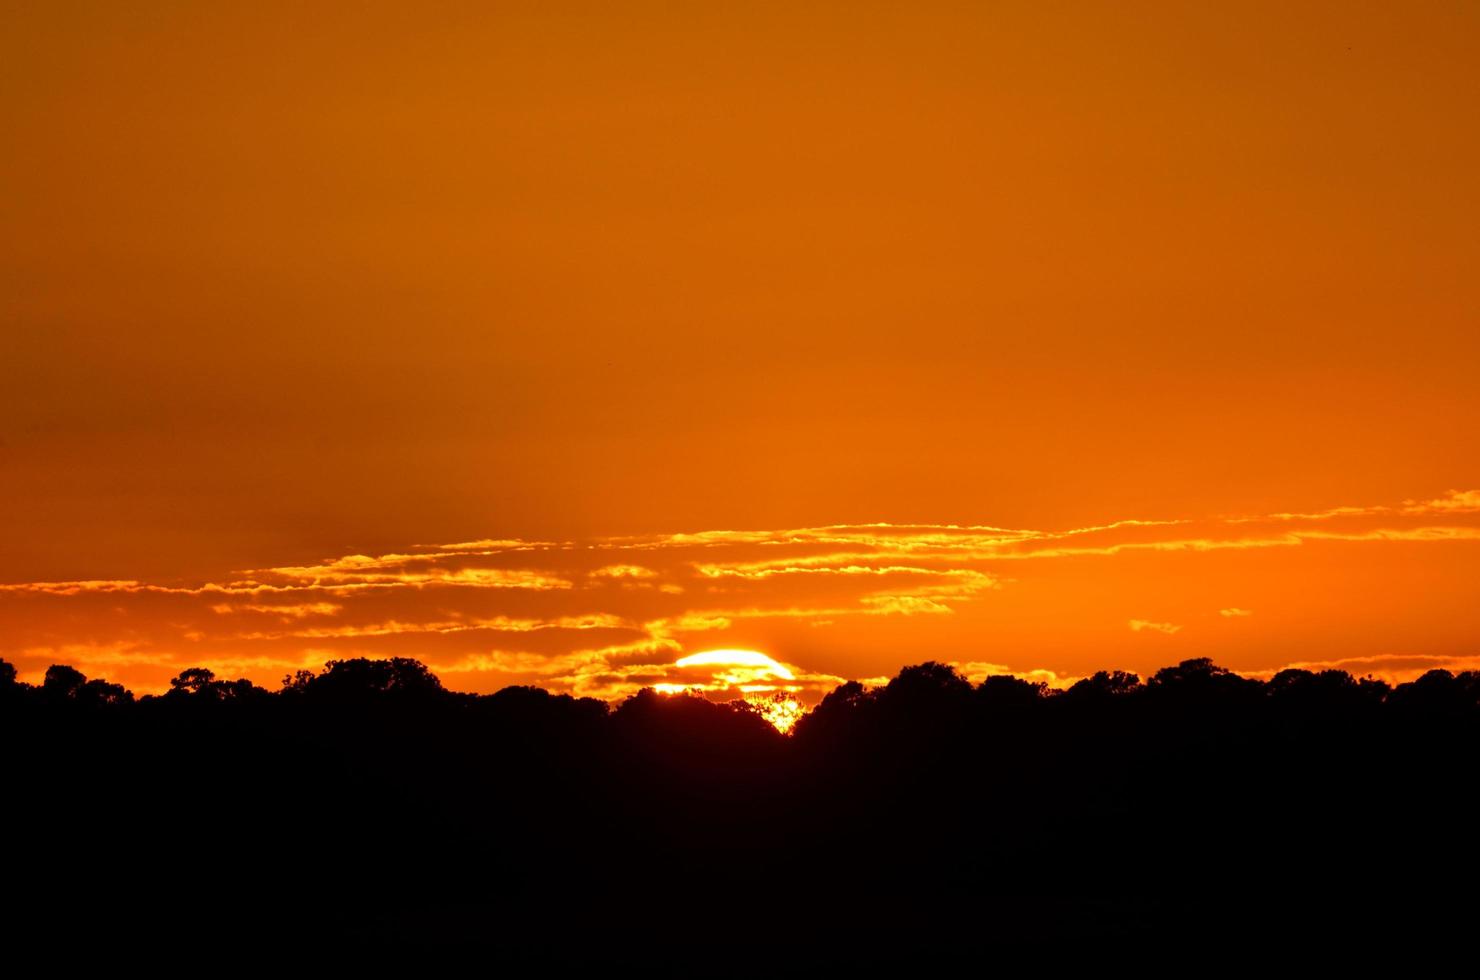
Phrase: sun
(744, 671)
(782, 709)
(752, 659)
(769, 686)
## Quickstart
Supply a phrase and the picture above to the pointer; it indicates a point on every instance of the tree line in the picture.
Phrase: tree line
(368, 806)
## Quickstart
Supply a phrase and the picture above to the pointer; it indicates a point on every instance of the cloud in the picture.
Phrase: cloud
(723, 674)
(358, 571)
(624, 572)
(302, 610)
(904, 605)
(601, 615)
(75, 588)
(103, 659)
(1392, 668)
(1454, 502)
(977, 671)
(501, 624)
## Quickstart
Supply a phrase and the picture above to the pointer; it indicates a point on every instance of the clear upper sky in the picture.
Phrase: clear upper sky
(286, 283)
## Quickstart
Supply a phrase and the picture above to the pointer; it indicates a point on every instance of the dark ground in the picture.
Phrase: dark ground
(367, 815)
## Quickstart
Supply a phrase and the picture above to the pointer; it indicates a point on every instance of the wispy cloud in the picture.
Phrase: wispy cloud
(302, 610)
(604, 615)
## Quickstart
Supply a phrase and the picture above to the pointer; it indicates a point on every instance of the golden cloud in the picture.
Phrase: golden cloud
(608, 615)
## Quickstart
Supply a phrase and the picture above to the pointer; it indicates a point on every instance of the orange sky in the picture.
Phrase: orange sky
(285, 283)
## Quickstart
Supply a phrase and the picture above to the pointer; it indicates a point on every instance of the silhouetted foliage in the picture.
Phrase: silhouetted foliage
(1105, 684)
(361, 680)
(1005, 693)
(198, 684)
(62, 682)
(192, 681)
(1004, 813)
(1201, 680)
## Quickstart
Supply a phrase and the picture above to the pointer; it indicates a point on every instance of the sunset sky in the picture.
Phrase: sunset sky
(552, 343)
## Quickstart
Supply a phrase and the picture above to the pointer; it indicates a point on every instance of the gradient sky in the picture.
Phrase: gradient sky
(602, 331)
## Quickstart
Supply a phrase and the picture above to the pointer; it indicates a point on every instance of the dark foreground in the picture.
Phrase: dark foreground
(367, 814)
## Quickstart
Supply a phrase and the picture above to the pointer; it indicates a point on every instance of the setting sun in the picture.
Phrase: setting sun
(753, 659)
(781, 709)
(768, 686)
(756, 677)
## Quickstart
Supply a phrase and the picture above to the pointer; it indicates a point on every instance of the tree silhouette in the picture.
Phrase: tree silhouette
(1106, 684)
(193, 680)
(929, 816)
(62, 682)
(361, 680)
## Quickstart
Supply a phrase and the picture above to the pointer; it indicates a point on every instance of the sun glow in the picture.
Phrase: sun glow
(781, 709)
(753, 659)
(743, 671)
(767, 685)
